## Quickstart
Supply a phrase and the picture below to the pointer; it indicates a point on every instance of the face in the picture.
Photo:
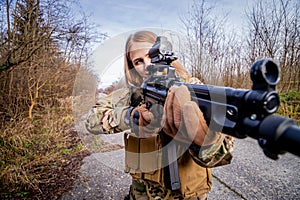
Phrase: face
(140, 58)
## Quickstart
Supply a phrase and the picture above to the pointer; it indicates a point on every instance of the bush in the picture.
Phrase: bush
(290, 105)
(35, 154)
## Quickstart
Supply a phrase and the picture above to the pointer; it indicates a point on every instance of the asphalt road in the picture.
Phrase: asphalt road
(254, 176)
(250, 176)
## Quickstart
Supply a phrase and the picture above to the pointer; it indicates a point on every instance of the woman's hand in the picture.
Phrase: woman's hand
(184, 121)
(143, 121)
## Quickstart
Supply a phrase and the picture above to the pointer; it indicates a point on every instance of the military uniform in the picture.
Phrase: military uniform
(194, 164)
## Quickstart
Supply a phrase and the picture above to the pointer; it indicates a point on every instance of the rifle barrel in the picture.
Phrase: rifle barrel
(280, 133)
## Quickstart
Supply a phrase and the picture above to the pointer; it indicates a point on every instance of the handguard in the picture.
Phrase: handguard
(236, 112)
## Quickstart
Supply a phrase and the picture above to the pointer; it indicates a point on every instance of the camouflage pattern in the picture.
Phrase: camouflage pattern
(141, 190)
(107, 117)
(215, 155)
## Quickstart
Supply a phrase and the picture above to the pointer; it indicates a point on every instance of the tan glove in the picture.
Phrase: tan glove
(143, 122)
(183, 119)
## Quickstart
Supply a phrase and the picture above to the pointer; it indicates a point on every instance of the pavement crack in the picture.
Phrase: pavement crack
(230, 188)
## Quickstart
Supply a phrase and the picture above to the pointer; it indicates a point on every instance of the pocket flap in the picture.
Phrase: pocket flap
(150, 154)
(131, 151)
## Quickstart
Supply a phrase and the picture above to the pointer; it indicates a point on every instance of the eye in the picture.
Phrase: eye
(138, 61)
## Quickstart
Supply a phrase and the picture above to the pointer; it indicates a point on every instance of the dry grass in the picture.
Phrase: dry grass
(38, 155)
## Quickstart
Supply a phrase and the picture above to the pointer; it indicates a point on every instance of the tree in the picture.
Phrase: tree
(213, 55)
(274, 32)
(42, 47)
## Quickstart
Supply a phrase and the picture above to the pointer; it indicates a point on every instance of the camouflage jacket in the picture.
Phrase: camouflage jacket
(108, 114)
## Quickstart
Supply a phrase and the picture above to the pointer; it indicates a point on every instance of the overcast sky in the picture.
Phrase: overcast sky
(117, 16)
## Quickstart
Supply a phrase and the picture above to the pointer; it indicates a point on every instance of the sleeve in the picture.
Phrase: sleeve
(217, 154)
(107, 116)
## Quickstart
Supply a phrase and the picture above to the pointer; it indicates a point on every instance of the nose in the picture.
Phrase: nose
(147, 60)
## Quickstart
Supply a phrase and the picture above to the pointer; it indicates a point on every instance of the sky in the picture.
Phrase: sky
(117, 17)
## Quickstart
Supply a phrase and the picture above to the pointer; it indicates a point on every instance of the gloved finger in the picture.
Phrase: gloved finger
(138, 111)
(168, 112)
(146, 115)
(166, 126)
(201, 135)
(195, 124)
(177, 135)
(140, 117)
(148, 124)
(182, 95)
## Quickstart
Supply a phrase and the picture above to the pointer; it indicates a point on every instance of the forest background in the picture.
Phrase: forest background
(44, 45)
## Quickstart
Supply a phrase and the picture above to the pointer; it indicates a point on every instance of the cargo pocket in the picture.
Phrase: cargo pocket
(143, 157)
(151, 159)
(149, 150)
(131, 153)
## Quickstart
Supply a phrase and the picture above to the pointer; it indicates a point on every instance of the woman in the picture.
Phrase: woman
(182, 120)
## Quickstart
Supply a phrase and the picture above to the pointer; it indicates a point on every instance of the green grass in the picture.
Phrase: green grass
(290, 105)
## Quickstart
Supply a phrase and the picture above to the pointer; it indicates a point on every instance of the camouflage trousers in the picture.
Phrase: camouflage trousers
(140, 191)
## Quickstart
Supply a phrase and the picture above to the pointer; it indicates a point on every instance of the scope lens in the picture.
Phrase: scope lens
(264, 73)
(271, 72)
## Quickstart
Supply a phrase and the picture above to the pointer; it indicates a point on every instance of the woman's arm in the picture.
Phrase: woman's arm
(107, 116)
(217, 154)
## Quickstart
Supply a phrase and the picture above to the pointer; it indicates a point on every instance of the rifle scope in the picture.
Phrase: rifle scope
(236, 112)
(265, 74)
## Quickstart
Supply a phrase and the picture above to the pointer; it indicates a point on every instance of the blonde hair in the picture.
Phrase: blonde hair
(132, 76)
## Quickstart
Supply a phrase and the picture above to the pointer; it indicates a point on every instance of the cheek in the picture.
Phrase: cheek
(141, 70)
